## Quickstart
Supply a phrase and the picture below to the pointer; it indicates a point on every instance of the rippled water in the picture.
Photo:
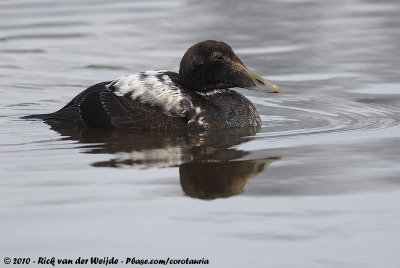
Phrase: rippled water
(319, 186)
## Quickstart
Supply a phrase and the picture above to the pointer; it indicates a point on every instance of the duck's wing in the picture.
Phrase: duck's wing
(148, 100)
(125, 113)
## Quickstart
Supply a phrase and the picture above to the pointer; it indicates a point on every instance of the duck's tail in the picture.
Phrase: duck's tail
(36, 116)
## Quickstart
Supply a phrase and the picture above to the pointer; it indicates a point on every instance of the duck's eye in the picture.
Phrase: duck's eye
(219, 57)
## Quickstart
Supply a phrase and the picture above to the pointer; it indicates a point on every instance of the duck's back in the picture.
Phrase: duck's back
(148, 100)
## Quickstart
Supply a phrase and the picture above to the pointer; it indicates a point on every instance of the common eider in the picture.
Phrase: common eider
(199, 97)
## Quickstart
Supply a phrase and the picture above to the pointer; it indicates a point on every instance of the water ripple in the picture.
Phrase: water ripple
(304, 117)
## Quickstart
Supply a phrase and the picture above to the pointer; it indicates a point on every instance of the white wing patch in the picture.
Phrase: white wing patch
(154, 88)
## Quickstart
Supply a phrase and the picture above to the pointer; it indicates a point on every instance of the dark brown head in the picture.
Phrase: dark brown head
(210, 65)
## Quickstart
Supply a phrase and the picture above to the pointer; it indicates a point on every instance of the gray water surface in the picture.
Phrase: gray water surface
(318, 186)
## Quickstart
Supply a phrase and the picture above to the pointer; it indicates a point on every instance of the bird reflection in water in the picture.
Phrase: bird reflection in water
(209, 165)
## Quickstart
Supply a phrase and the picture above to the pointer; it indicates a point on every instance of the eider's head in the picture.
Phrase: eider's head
(210, 65)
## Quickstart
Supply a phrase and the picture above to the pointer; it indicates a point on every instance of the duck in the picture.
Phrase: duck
(199, 97)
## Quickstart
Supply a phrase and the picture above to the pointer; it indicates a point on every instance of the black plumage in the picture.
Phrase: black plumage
(196, 98)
